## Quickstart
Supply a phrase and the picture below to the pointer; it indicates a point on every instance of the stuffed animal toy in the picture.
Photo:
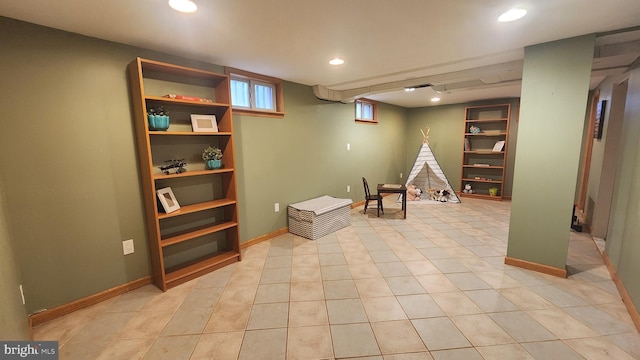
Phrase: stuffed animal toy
(442, 195)
(413, 193)
(468, 189)
(418, 194)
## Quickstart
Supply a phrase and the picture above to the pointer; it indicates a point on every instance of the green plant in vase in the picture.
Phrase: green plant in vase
(158, 118)
(212, 157)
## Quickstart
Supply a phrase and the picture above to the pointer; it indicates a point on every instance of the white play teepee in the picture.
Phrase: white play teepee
(426, 172)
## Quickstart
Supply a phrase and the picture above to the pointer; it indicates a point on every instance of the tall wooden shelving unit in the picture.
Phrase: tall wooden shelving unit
(482, 167)
(203, 235)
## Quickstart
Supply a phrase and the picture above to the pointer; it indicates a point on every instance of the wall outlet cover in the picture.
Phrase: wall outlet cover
(127, 247)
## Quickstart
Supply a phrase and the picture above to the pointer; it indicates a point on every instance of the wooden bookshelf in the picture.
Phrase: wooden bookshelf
(483, 166)
(203, 234)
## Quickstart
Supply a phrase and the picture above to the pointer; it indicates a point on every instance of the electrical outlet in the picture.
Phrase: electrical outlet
(276, 207)
(400, 175)
(348, 146)
(127, 247)
(348, 188)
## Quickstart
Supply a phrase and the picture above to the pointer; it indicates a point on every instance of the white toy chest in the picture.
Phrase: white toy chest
(318, 217)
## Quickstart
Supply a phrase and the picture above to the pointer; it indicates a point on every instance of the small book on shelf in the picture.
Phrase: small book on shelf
(467, 144)
(498, 146)
(188, 98)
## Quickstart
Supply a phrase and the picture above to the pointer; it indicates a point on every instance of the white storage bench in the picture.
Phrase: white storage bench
(318, 217)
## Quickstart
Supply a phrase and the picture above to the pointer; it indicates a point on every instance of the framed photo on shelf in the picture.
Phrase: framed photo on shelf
(204, 123)
(168, 200)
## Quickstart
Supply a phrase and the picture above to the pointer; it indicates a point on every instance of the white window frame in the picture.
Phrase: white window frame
(261, 80)
(248, 82)
(254, 102)
(362, 103)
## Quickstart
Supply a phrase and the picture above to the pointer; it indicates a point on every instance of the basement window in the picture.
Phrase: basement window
(366, 110)
(255, 94)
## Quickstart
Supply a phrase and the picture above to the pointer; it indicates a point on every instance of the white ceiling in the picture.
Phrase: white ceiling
(382, 41)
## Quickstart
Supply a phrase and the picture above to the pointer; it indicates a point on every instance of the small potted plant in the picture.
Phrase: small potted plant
(158, 118)
(212, 157)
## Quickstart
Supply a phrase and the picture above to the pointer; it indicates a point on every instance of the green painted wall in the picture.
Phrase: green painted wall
(69, 167)
(555, 87)
(304, 155)
(70, 171)
(623, 243)
(445, 138)
(13, 317)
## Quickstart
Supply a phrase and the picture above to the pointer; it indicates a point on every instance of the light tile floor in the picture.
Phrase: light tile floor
(433, 286)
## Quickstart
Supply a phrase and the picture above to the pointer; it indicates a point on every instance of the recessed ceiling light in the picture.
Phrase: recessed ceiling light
(336, 61)
(435, 99)
(185, 6)
(409, 89)
(511, 15)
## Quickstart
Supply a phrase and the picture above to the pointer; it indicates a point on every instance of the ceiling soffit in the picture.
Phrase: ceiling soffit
(613, 55)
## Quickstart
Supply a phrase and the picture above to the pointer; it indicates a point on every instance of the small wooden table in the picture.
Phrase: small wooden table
(395, 189)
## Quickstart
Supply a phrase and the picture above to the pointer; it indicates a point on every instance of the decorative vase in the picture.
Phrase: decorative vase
(158, 122)
(214, 164)
(493, 191)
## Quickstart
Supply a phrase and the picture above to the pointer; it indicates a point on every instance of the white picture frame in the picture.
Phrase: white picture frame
(204, 123)
(168, 200)
(498, 146)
